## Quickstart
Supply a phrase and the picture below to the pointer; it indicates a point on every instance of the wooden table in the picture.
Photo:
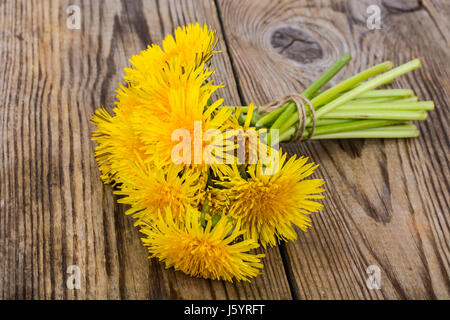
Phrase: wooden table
(387, 201)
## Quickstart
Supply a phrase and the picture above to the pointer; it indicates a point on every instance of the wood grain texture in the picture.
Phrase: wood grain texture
(55, 212)
(387, 200)
(438, 10)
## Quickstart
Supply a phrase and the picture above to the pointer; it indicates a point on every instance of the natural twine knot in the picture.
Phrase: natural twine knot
(301, 102)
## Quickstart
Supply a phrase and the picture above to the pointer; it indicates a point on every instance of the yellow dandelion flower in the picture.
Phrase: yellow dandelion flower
(130, 98)
(157, 69)
(210, 253)
(151, 188)
(270, 204)
(181, 126)
(119, 146)
(218, 203)
(192, 46)
(154, 96)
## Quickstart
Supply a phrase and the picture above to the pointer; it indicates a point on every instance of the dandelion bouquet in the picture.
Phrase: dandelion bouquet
(207, 183)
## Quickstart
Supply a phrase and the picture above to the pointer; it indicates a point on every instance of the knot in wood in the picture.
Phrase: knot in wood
(296, 45)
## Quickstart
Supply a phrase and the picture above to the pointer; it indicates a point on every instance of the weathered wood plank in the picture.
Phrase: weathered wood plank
(387, 200)
(438, 11)
(55, 212)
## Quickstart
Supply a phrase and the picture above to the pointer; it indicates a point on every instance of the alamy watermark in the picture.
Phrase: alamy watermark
(74, 279)
(373, 282)
(231, 146)
(374, 19)
(73, 21)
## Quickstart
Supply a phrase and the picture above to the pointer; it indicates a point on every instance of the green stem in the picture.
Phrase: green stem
(412, 106)
(372, 100)
(399, 131)
(214, 219)
(376, 114)
(382, 100)
(383, 93)
(255, 118)
(349, 125)
(354, 126)
(326, 122)
(327, 75)
(331, 93)
(204, 211)
(312, 89)
(284, 116)
(371, 84)
(267, 119)
(287, 135)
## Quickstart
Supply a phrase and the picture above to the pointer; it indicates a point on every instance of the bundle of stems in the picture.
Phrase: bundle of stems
(353, 108)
